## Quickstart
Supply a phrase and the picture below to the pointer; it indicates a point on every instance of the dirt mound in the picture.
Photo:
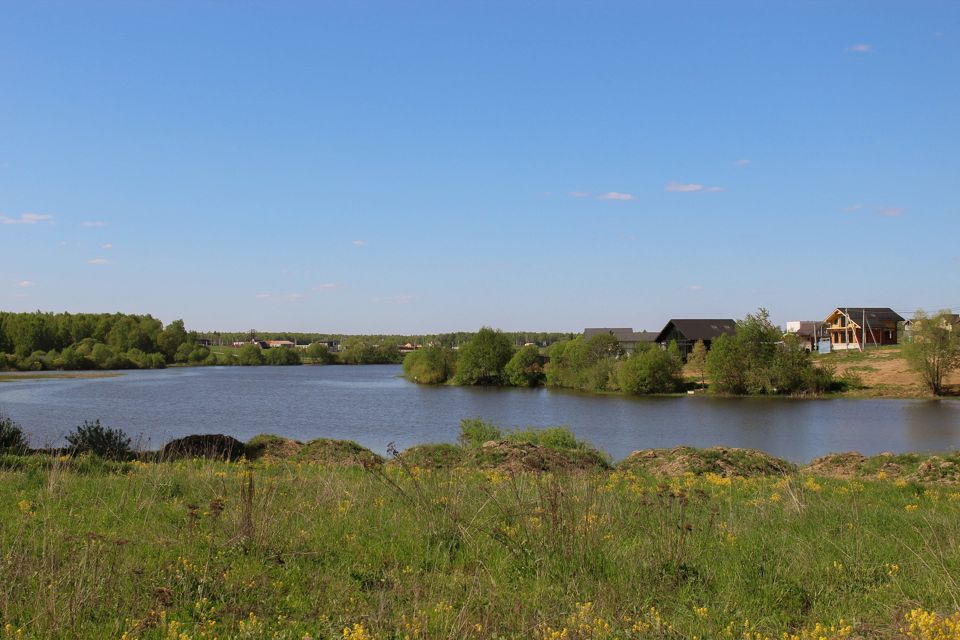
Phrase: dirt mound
(504, 455)
(837, 465)
(267, 445)
(939, 470)
(434, 456)
(527, 456)
(215, 446)
(724, 461)
(344, 453)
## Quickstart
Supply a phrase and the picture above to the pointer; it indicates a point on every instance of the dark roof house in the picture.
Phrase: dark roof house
(687, 331)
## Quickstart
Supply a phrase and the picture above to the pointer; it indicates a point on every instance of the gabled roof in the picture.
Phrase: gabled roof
(699, 328)
(873, 314)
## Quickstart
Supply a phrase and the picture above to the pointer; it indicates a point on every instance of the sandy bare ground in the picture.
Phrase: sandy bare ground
(884, 370)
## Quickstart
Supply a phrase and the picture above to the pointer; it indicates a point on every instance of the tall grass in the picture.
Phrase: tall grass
(199, 549)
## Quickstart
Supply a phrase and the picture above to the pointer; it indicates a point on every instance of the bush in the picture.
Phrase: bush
(482, 359)
(106, 442)
(250, 355)
(11, 435)
(650, 370)
(560, 438)
(524, 368)
(474, 432)
(280, 356)
(432, 365)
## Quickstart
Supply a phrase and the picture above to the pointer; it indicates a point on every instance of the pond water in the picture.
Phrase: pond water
(374, 406)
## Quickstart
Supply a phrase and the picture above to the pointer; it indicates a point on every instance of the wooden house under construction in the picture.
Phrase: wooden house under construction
(860, 327)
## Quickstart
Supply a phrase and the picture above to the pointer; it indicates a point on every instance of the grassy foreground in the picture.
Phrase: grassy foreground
(305, 549)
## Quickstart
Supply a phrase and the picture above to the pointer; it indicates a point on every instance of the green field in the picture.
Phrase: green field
(314, 547)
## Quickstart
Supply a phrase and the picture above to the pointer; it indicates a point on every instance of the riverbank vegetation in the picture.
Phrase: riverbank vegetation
(757, 359)
(705, 543)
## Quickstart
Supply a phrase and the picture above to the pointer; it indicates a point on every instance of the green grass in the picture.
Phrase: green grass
(293, 548)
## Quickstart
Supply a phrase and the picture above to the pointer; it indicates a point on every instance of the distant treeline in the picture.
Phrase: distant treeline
(450, 340)
(757, 359)
(41, 341)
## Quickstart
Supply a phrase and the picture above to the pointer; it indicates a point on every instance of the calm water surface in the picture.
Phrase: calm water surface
(374, 406)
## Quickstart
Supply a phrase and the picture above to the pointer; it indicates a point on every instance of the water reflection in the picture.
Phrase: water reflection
(373, 406)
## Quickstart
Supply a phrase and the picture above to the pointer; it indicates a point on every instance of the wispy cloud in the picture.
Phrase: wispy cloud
(328, 286)
(399, 299)
(616, 195)
(106, 246)
(861, 48)
(93, 224)
(713, 189)
(579, 194)
(280, 297)
(852, 208)
(891, 212)
(23, 284)
(742, 163)
(358, 243)
(695, 287)
(27, 218)
(98, 261)
(683, 187)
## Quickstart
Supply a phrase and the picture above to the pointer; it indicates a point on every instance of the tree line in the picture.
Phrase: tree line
(757, 359)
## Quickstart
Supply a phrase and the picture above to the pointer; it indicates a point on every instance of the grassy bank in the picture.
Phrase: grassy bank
(326, 541)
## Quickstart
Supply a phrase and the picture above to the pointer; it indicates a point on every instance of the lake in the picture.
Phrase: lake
(374, 406)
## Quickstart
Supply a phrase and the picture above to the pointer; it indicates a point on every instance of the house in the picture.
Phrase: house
(281, 343)
(859, 327)
(686, 332)
(809, 332)
(629, 339)
(952, 321)
(204, 342)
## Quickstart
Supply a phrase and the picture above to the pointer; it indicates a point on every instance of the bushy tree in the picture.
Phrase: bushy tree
(250, 355)
(318, 353)
(697, 360)
(589, 365)
(482, 359)
(170, 339)
(524, 369)
(934, 349)
(430, 365)
(11, 435)
(106, 442)
(650, 370)
(281, 356)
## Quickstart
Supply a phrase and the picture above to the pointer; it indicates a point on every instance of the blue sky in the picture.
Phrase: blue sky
(435, 166)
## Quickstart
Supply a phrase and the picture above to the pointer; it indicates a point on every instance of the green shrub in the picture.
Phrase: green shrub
(475, 431)
(524, 369)
(12, 438)
(281, 356)
(106, 442)
(432, 365)
(650, 370)
(482, 359)
(561, 438)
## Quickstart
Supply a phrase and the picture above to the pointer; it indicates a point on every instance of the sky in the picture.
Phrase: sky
(419, 167)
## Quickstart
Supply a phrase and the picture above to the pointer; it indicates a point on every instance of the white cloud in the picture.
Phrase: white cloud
(106, 246)
(742, 163)
(359, 243)
(891, 212)
(93, 224)
(27, 218)
(713, 189)
(400, 299)
(23, 284)
(695, 287)
(852, 208)
(579, 194)
(98, 261)
(328, 286)
(861, 48)
(614, 195)
(683, 187)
